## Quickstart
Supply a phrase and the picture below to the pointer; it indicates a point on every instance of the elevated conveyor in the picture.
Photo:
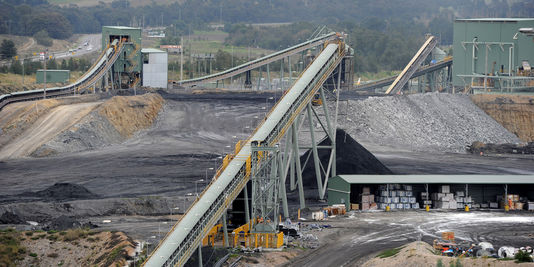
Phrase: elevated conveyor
(412, 66)
(185, 237)
(95, 73)
(259, 62)
(389, 80)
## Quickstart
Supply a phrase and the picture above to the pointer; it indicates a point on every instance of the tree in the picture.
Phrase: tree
(42, 38)
(7, 49)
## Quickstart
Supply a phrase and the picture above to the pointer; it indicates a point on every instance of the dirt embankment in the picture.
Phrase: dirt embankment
(53, 126)
(514, 112)
(112, 122)
(75, 247)
(422, 254)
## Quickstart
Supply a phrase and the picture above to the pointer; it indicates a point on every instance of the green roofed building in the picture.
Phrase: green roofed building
(494, 55)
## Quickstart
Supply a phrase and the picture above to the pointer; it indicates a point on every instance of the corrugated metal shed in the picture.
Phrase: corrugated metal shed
(437, 179)
(483, 187)
(154, 68)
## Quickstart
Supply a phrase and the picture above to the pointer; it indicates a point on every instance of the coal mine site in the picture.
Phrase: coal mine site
(142, 185)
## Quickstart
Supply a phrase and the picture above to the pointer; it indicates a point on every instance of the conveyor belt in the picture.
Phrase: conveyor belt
(96, 72)
(412, 66)
(185, 237)
(259, 62)
(389, 80)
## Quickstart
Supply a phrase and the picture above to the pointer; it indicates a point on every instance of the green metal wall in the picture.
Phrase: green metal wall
(338, 192)
(53, 76)
(490, 30)
(130, 59)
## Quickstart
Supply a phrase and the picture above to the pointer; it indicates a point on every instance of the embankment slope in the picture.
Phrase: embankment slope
(514, 112)
(50, 127)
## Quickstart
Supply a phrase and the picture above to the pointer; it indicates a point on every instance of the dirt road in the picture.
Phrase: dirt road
(351, 241)
(46, 128)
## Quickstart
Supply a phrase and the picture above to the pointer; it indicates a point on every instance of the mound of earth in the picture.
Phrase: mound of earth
(11, 218)
(421, 254)
(352, 158)
(61, 192)
(424, 122)
(112, 122)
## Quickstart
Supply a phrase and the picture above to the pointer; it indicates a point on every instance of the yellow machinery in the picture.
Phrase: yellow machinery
(242, 237)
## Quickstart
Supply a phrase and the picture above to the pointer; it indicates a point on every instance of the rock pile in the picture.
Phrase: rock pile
(422, 122)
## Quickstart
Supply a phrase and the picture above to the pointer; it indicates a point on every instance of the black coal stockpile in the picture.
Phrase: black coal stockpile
(352, 158)
(61, 192)
(64, 222)
(11, 218)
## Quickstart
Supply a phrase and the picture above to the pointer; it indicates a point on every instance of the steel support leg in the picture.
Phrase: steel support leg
(200, 255)
(225, 230)
(298, 168)
(316, 161)
(282, 74)
(268, 78)
(289, 69)
(283, 194)
(247, 209)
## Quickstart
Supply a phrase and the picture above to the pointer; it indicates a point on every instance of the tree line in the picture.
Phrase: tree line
(31, 67)
(28, 17)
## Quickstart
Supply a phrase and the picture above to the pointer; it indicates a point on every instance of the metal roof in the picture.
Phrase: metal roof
(497, 19)
(439, 179)
(151, 50)
(122, 28)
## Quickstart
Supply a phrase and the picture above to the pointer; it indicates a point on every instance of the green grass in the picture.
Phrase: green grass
(389, 253)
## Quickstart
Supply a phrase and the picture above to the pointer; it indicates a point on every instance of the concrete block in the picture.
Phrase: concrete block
(468, 199)
(484, 205)
(384, 193)
(400, 206)
(460, 193)
(412, 200)
(404, 199)
(530, 206)
(415, 205)
(401, 193)
(395, 199)
(409, 193)
(407, 187)
(366, 190)
(444, 189)
(392, 193)
(407, 206)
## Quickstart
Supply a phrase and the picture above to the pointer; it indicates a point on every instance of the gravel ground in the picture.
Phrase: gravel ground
(423, 122)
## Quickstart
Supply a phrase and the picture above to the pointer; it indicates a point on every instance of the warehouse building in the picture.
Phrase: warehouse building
(493, 55)
(369, 192)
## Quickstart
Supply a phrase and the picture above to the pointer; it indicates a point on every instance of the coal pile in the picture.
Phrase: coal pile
(11, 218)
(352, 158)
(64, 222)
(62, 192)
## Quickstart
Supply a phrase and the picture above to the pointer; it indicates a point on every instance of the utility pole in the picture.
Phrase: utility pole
(181, 59)
(23, 71)
(45, 57)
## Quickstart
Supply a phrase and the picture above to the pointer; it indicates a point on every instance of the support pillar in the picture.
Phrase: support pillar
(200, 255)
(316, 161)
(247, 209)
(298, 168)
(225, 230)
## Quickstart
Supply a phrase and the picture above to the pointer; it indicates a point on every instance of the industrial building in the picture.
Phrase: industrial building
(126, 70)
(493, 55)
(479, 191)
(154, 68)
